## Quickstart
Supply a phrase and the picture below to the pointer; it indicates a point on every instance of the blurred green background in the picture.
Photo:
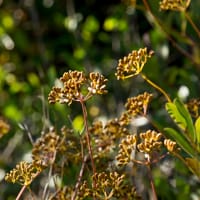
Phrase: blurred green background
(41, 39)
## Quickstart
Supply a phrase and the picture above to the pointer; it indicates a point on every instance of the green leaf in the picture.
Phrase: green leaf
(182, 118)
(181, 141)
(197, 128)
(176, 116)
(194, 165)
(185, 113)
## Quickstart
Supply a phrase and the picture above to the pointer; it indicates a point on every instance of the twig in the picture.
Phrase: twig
(79, 177)
(25, 128)
(21, 192)
(88, 137)
(156, 87)
(45, 194)
(192, 23)
(152, 182)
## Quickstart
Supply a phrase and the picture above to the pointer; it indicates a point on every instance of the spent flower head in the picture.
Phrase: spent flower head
(24, 173)
(138, 105)
(112, 185)
(126, 147)
(175, 5)
(64, 193)
(45, 148)
(132, 64)
(193, 106)
(84, 191)
(170, 145)
(76, 87)
(97, 83)
(150, 142)
(104, 137)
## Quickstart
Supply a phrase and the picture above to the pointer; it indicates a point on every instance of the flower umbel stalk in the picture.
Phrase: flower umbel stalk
(152, 182)
(79, 177)
(21, 192)
(192, 23)
(156, 87)
(88, 137)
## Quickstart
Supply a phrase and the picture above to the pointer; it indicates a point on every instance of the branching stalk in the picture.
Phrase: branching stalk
(152, 183)
(156, 87)
(192, 23)
(21, 192)
(88, 137)
(79, 177)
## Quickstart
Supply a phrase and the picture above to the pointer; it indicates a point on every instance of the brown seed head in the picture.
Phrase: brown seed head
(138, 105)
(150, 142)
(175, 5)
(132, 64)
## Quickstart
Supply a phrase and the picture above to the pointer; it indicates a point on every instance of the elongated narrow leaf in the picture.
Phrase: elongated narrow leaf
(176, 115)
(190, 130)
(194, 165)
(180, 140)
(197, 128)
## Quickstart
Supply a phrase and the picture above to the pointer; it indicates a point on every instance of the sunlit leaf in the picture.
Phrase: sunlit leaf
(197, 128)
(194, 165)
(181, 141)
(176, 116)
(182, 118)
(185, 113)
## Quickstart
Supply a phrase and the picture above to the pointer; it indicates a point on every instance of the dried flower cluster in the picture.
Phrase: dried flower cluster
(170, 145)
(51, 144)
(56, 150)
(126, 147)
(44, 154)
(104, 137)
(109, 185)
(24, 173)
(69, 145)
(175, 5)
(138, 105)
(132, 64)
(74, 85)
(63, 194)
(45, 148)
(194, 106)
(148, 143)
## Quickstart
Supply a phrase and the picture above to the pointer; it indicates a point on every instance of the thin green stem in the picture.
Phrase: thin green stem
(192, 23)
(156, 87)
